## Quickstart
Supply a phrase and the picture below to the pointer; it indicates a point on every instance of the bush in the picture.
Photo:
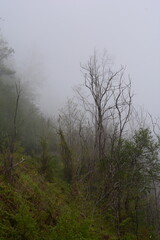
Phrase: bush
(71, 226)
(25, 227)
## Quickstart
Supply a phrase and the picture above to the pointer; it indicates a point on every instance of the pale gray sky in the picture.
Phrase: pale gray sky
(56, 35)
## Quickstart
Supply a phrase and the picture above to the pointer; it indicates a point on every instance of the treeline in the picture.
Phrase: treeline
(105, 153)
(22, 125)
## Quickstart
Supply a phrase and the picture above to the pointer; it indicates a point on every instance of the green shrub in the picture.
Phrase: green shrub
(71, 226)
(25, 227)
(129, 237)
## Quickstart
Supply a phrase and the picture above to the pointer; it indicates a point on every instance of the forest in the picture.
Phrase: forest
(91, 173)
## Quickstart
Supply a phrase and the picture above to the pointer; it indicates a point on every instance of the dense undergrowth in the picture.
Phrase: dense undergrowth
(42, 207)
(33, 207)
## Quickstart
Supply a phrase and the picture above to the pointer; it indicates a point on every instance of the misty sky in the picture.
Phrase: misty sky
(52, 37)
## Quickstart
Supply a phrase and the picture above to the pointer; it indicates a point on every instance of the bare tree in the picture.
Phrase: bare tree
(68, 121)
(109, 99)
(9, 162)
(75, 128)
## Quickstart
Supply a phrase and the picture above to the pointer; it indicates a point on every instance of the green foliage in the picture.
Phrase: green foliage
(129, 237)
(72, 226)
(50, 166)
(36, 209)
(16, 220)
(25, 227)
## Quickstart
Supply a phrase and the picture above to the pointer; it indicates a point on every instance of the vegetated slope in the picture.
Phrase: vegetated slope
(69, 186)
(34, 208)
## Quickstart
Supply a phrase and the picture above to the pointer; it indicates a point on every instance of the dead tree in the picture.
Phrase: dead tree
(107, 93)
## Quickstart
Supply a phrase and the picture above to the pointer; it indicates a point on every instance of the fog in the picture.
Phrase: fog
(52, 37)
